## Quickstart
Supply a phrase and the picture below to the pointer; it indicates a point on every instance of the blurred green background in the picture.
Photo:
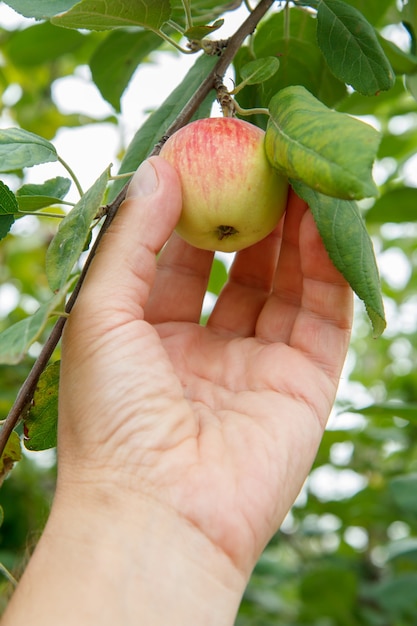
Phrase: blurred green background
(347, 552)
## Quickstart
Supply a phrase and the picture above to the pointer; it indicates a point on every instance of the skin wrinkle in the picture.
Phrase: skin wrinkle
(255, 287)
(339, 292)
(177, 261)
(121, 336)
(297, 387)
(221, 376)
(286, 280)
(266, 455)
(247, 379)
(178, 267)
(196, 489)
(327, 367)
(249, 309)
(248, 389)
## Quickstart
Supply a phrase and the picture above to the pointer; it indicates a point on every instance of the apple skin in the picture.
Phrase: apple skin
(232, 196)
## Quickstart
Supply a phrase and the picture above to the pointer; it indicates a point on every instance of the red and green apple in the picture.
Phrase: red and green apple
(232, 196)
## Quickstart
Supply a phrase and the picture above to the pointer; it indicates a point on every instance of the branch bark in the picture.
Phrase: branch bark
(28, 388)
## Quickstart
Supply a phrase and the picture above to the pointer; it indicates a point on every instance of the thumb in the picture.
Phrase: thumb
(119, 280)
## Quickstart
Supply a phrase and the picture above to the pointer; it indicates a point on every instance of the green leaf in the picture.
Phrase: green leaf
(8, 208)
(294, 42)
(259, 70)
(394, 597)
(69, 242)
(397, 205)
(6, 222)
(405, 410)
(322, 598)
(350, 248)
(32, 197)
(8, 202)
(403, 490)
(399, 147)
(28, 204)
(403, 551)
(20, 148)
(199, 32)
(372, 10)
(11, 454)
(17, 339)
(218, 277)
(108, 14)
(351, 48)
(401, 62)
(57, 187)
(388, 103)
(42, 43)
(156, 125)
(118, 56)
(41, 9)
(411, 84)
(41, 419)
(331, 152)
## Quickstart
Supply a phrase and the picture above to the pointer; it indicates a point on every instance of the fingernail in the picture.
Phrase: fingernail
(144, 181)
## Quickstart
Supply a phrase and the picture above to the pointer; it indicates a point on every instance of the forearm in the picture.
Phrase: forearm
(142, 566)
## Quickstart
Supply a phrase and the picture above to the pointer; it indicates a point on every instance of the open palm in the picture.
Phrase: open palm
(219, 422)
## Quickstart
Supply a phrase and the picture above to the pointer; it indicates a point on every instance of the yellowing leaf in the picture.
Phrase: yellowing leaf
(42, 417)
(329, 151)
(11, 454)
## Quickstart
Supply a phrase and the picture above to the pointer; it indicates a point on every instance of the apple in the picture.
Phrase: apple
(232, 196)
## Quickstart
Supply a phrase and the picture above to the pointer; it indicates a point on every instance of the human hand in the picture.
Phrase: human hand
(181, 447)
(218, 423)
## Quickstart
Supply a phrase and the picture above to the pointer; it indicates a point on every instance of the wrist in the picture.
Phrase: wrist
(139, 562)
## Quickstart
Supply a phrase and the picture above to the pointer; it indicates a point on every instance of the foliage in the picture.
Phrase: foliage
(334, 84)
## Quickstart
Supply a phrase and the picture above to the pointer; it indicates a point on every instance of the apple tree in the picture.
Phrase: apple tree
(333, 84)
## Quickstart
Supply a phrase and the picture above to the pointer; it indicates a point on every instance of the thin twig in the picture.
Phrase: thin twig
(25, 395)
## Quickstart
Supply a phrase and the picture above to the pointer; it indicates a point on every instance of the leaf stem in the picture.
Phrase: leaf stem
(255, 111)
(72, 174)
(8, 575)
(173, 42)
(175, 26)
(27, 390)
(287, 21)
(43, 213)
(59, 314)
(188, 16)
(121, 176)
(239, 87)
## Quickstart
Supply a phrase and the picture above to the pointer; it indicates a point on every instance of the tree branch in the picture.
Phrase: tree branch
(25, 395)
